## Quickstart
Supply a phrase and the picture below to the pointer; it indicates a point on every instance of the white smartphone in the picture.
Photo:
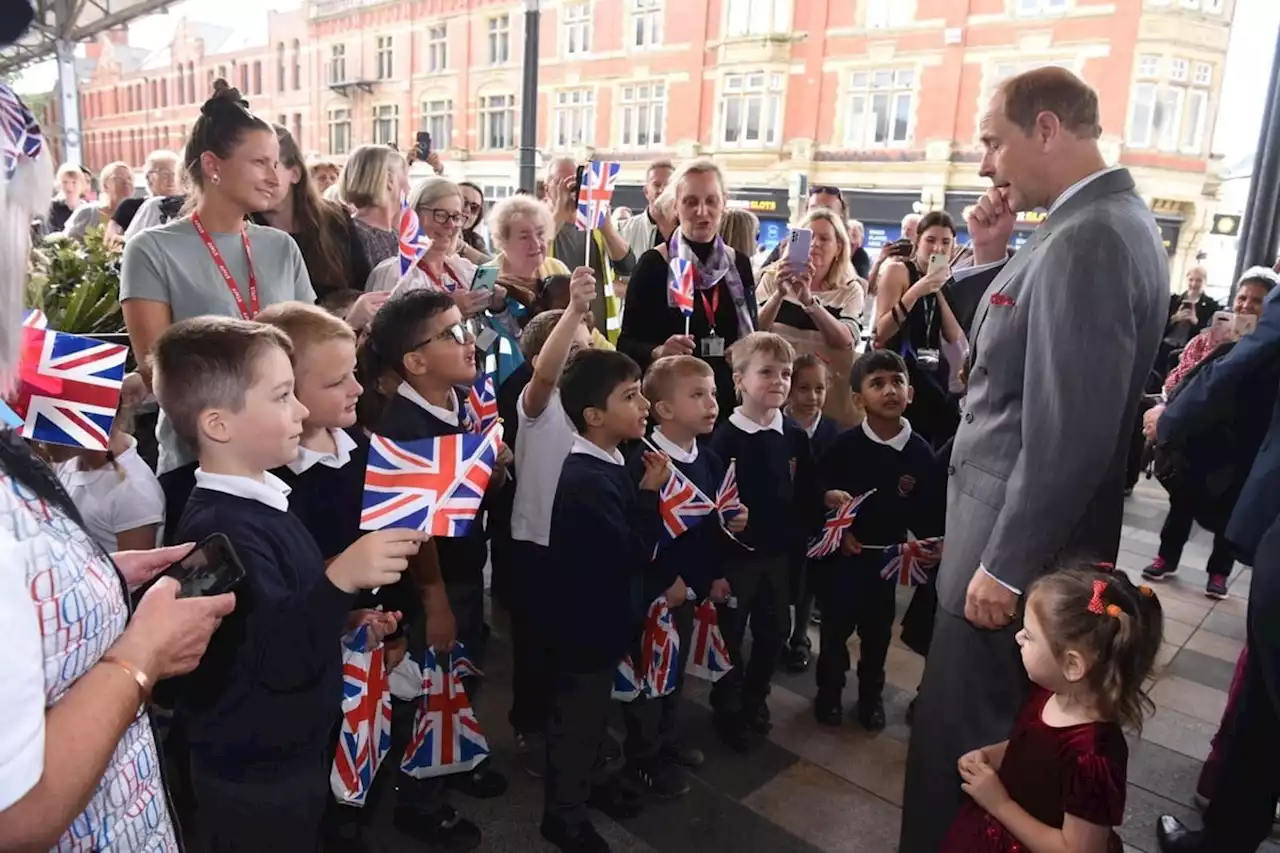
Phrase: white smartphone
(938, 261)
(486, 277)
(799, 242)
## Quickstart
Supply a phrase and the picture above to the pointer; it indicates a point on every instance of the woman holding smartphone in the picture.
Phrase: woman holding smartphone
(914, 319)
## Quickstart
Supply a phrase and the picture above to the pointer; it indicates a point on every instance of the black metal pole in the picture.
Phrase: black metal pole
(529, 98)
(1260, 228)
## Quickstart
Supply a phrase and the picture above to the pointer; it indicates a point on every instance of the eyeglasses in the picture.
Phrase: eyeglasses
(160, 173)
(440, 217)
(472, 207)
(824, 191)
(457, 331)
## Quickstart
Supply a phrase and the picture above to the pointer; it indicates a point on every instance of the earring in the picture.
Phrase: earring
(217, 179)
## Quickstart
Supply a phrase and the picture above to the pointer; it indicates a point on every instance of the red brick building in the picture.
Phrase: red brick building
(879, 97)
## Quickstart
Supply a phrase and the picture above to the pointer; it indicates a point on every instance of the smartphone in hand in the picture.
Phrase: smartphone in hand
(423, 146)
(799, 241)
(212, 568)
(938, 261)
(485, 278)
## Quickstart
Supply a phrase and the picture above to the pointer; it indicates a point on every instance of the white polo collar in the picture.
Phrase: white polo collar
(449, 416)
(581, 445)
(672, 449)
(308, 458)
(813, 427)
(898, 442)
(272, 491)
(750, 427)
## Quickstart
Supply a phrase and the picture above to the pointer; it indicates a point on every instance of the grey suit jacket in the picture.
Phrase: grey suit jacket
(1062, 343)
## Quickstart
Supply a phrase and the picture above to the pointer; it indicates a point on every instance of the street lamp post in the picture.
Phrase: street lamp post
(1260, 228)
(529, 98)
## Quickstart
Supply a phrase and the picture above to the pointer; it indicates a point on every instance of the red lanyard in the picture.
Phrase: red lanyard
(441, 286)
(711, 305)
(252, 310)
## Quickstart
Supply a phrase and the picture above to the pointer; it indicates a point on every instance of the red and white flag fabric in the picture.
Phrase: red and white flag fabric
(680, 285)
(364, 736)
(709, 657)
(659, 650)
(682, 507)
(446, 736)
(412, 239)
(596, 193)
(68, 386)
(838, 521)
(909, 562)
(626, 685)
(480, 409)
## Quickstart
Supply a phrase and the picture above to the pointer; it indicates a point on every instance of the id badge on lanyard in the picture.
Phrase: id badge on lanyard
(711, 346)
(247, 312)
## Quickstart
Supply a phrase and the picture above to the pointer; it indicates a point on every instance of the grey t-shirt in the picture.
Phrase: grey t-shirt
(171, 264)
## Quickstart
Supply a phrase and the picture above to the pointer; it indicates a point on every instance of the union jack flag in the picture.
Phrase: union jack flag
(19, 134)
(838, 521)
(446, 736)
(626, 686)
(680, 285)
(727, 500)
(709, 657)
(365, 734)
(434, 484)
(596, 193)
(481, 406)
(411, 238)
(35, 319)
(463, 664)
(68, 388)
(682, 507)
(659, 649)
(908, 563)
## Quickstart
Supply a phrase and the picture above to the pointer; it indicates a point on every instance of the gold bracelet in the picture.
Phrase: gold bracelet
(135, 672)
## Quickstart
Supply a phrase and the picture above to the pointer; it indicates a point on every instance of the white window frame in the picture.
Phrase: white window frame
(1193, 5)
(1169, 132)
(386, 124)
(642, 107)
(437, 120)
(892, 87)
(499, 33)
(887, 14)
(1214, 7)
(1191, 135)
(767, 89)
(385, 57)
(1148, 65)
(1035, 8)
(573, 118)
(339, 117)
(575, 27)
(337, 60)
(1179, 70)
(437, 47)
(488, 113)
(646, 23)
(1141, 132)
(1203, 75)
(746, 18)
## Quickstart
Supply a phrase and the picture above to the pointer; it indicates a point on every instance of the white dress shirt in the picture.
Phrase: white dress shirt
(449, 416)
(581, 445)
(675, 451)
(270, 490)
(898, 442)
(750, 427)
(308, 458)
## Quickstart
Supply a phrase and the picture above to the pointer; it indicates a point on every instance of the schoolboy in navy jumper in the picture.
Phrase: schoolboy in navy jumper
(260, 709)
(809, 378)
(883, 454)
(598, 509)
(545, 439)
(682, 392)
(775, 479)
(327, 479)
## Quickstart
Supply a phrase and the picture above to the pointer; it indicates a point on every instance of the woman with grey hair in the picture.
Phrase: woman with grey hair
(521, 228)
(79, 756)
(373, 181)
(116, 180)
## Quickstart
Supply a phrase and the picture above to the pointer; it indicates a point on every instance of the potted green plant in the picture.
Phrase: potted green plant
(77, 285)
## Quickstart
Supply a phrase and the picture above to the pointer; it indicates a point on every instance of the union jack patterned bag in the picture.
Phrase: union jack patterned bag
(626, 686)
(709, 657)
(446, 736)
(659, 650)
(365, 733)
(909, 562)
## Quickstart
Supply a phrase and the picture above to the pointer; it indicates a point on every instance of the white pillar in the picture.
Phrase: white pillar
(69, 101)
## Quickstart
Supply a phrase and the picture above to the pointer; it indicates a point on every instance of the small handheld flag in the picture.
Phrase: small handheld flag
(709, 657)
(446, 736)
(364, 736)
(34, 318)
(68, 387)
(682, 507)
(838, 521)
(908, 562)
(434, 484)
(411, 237)
(595, 195)
(19, 133)
(680, 283)
(481, 406)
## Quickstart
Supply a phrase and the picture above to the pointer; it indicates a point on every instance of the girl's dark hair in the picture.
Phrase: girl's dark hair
(318, 223)
(223, 120)
(395, 332)
(1115, 625)
(935, 219)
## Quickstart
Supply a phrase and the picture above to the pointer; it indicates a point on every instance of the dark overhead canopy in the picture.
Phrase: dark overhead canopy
(69, 20)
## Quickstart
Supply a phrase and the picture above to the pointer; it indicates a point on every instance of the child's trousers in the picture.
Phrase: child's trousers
(855, 598)
(266, 808)
(575, 729)
(759, 585)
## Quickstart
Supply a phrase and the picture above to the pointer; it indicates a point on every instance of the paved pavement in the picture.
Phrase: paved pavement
(814, 789)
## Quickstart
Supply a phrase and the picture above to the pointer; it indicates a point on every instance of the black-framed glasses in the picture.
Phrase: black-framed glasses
(457, 331)
(440, 216)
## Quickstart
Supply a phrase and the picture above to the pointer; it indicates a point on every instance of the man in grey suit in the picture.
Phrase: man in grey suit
(1062, 342)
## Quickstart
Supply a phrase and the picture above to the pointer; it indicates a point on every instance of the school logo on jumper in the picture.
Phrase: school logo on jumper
(365, 733)
(906, 485)
(838, 521)
(909, 562)
(446, 736)
(68, 386)
(434, 485)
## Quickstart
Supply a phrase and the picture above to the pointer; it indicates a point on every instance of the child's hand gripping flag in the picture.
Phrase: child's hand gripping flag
(595, 195)
(446, 737)
(709, 657)
(838, 521)
(909, 562)
(434, 484)
(729, 505)
(365, 732)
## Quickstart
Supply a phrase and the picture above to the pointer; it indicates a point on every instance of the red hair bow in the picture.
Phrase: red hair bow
(1095, 603)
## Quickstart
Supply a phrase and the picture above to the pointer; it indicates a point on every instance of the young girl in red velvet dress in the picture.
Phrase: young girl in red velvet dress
(1089, 640)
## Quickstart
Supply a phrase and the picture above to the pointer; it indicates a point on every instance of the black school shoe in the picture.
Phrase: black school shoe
(443, 829)
(871, 713)
(797, 658)
(482, 783)
(680, 755)
(658, 778)
(827, 709)
(1216, 588)
(583, 838)
(756, 718)
(734, 732)
(615, 800)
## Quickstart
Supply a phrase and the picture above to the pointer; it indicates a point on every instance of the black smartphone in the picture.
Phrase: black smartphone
(212, 568)
(424, 144)
(577, 178)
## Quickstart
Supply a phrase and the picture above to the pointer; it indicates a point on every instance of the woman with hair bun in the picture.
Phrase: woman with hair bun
(212, 261)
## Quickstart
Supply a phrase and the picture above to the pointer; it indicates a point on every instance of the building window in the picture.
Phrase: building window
(282, 120)
(257, 77)
(155, 94)
(339, 131)
(385, 58)
(497, 119)
(222, 72)
(574, 118)
(1040, 7)
(297, 129)
(191, 83)
(499, 39)
(496, 192)
(756, 17)
(280, 66)
(129, 99)
(437, 120)
(1148, 65)
(1193, 121)
(164, 93)
(751, 109)
(386, 124)
(180, 91)
(881, 113)
(577, 28)
(437, 48)
(1204, 74)
(884, 14)
(644, 114)
(1213, 6)
(297, 65)
(1172, 116)
(338, 63)
(244, 79)
(1178, 70)
(647, 16)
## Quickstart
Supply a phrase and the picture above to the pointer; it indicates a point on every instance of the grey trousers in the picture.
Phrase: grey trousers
(973, 686)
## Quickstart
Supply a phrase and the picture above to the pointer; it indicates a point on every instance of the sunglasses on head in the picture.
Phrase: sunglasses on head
(824, 191)
(457, 331)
